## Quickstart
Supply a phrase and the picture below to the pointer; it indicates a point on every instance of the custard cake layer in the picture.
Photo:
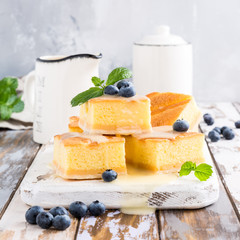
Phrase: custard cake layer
(73, 125)
(116, 115)
(168, 107)
(81, 156)
(164, 149)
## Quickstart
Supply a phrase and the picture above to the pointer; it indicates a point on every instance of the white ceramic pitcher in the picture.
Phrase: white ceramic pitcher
(162, 62)
(50, 88)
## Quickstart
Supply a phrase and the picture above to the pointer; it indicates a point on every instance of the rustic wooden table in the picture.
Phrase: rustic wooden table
(218, 221)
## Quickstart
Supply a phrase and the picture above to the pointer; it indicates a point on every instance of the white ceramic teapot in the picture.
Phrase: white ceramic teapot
(50, 88)
(162, 62)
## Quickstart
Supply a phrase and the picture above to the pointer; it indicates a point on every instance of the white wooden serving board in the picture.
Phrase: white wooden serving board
(42, 187)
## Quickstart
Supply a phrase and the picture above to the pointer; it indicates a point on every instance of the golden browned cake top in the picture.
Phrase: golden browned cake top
(119, 98)
(163, 100)
(74, 138)
(165, 132)
(73, 121)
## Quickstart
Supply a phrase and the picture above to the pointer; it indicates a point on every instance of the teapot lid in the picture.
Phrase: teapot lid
(162, 36)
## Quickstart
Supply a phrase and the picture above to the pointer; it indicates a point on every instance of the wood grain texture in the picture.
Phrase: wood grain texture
(116, 225)
(220, 220)
(14, 226)
(237, 106)
(17, 151)
(217, 221)
(226, 153)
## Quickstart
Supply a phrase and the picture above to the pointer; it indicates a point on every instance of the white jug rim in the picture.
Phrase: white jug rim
(160, 45)
(54, 59)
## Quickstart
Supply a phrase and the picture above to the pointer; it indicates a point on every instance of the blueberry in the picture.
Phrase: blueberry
(217, 129)
(78, 209)
(109, 175)
(223, 128)
(111, 90)
(44, 220)
(237, 124)
(228, 134)
(61, 222)
(214, 136)
(181, 126)
(58, 211)
(123, 83)
(208, 119)
(96, 208)
(31, 214)
(206, 114)
(127, 91)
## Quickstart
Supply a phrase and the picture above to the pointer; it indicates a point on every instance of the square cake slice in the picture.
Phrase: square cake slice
(168, 107)
(116, 115)
(81, 156)
(164, 149)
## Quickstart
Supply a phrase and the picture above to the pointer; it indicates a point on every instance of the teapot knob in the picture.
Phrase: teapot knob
(162, 30)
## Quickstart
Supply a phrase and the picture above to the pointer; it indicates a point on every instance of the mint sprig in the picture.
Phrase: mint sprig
(203, 171)
(97, 81)
(116, 75)
(9, 100)
(86, 95)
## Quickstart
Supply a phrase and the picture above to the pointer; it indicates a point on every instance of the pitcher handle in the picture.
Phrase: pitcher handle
(29, 90)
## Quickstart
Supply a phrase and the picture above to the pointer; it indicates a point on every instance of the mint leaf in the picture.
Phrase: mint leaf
(9, 100)
(18, 107)
(97, 81)
(118, 74)
(97, 91)
(186, 168)
(86, 95)
(203, 171)
(4, 94)
(5, 112)
(10, 82)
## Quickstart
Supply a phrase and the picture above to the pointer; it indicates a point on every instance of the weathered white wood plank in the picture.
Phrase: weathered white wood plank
(237, 106)
(14, 226)
(42, 187)
(226, 152)
(218, 221)
(17, 150)
(116, 225)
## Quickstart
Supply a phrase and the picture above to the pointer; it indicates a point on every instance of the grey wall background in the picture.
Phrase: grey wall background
(29, 29)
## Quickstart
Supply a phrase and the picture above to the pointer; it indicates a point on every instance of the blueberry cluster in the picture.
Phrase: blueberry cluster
(79, 209)
(123, 88)
(58, 216)
(217, 132)
(181, 125)
(226, 132)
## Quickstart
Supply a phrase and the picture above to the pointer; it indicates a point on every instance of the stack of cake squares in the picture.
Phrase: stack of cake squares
(112, 132)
